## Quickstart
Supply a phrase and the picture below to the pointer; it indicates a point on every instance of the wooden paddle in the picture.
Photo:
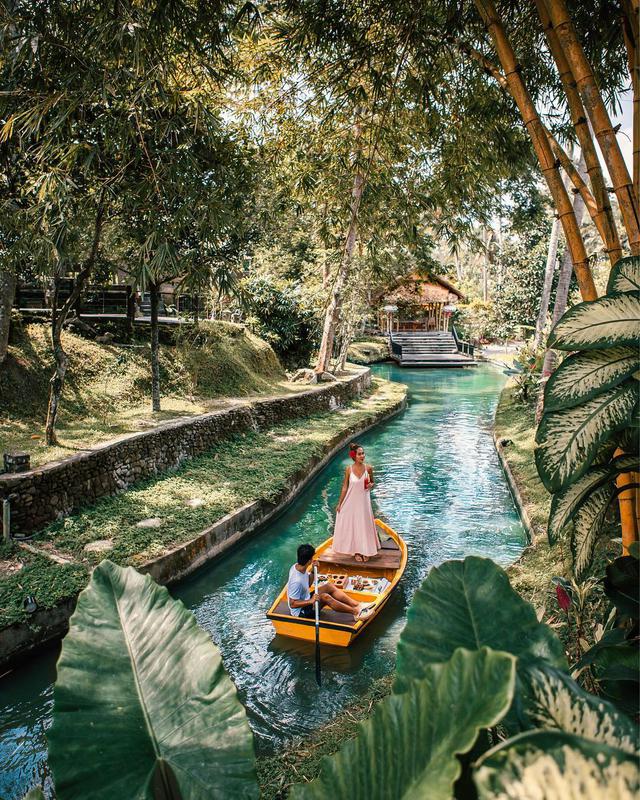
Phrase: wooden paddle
(317, 610)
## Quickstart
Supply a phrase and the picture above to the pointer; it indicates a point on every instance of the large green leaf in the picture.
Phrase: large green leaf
(614, 666)
(470, 604)
(34, 794)
(553, 765)
(587, 527)
(622, 585)
(142, 706)
(407, 748)
(625, 275)
(553, 700)
(566, 502)
(607, 322)
(569, 440)
(581, 376)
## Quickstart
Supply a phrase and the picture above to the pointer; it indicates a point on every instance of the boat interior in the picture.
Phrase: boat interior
(363, 581)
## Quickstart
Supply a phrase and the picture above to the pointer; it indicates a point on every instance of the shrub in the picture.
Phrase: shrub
(277, 313)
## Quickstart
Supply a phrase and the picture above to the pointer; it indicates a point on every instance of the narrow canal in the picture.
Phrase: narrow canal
(439, 484)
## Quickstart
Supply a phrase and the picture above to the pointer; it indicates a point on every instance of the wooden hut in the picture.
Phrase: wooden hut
(418, 303)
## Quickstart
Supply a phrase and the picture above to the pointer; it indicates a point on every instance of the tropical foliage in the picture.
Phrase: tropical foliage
(477, 676)
(591, 407)
(277, 312)
(164, 717)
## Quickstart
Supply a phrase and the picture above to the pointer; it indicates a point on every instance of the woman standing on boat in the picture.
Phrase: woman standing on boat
(355, 531)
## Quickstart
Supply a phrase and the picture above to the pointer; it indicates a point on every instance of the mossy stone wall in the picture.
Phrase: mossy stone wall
(55, 490)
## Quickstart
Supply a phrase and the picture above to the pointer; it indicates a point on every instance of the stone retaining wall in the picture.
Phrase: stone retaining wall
(47, 625)
(55, 490)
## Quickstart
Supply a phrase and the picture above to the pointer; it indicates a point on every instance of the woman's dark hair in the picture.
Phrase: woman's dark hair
(355, 446)
(305, 553)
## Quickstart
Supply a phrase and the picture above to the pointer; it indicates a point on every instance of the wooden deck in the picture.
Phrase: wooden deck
(386, 559)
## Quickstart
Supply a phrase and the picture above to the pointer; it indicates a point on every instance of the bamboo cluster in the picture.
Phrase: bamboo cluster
(591, 123)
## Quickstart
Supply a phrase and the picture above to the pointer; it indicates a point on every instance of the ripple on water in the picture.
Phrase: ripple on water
(439, 483)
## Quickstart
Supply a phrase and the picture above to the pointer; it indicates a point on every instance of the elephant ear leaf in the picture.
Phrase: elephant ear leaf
(408, 747)
(583, 375)
(554, 701)
(569, 440)
(555, 766)
(610, 321)
(470, 604)
(142, 692)
(625, 276)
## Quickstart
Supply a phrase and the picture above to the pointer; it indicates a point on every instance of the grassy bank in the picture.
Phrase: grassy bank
(369, 351)
(301, 762)
(531, 574)
(244, 468)
(108, 387)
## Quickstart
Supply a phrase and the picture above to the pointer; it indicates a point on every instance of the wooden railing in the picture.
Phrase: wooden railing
(466, 348)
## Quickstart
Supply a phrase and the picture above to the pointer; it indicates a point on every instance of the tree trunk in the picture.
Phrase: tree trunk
(541, 146)
(8, 283)
(333, 308)
(131, 313)
(196, 309)
(548, 280)
(58, 318)
(154, 291)
(562, 295)
(602, 215)
(347, 338)
(599, 116)
(458, 267)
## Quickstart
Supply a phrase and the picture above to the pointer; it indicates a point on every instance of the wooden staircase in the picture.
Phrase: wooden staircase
(431, 349)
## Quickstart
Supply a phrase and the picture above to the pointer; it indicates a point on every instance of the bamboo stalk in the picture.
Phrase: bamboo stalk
(604, 221)
(600, 120)
(542, 148)
(627, 505)
(630, 23)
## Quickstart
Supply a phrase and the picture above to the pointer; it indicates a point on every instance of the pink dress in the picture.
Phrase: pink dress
(355, 530)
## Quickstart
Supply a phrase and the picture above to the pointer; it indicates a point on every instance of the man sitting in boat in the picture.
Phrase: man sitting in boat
(299, 591)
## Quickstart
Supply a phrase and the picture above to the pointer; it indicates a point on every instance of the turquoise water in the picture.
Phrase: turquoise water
(439, 484)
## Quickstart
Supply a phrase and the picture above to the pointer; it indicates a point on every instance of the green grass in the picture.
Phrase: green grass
(244, 468)
(23, 573)
(368, 351)
(107, 391)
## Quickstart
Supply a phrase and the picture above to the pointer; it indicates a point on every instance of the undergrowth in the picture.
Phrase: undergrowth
(108, 387)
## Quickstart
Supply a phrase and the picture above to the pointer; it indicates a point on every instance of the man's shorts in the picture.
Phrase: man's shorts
(309, 612)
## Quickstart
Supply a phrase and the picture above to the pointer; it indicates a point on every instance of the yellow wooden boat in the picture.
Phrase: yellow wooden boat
(370, 582)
